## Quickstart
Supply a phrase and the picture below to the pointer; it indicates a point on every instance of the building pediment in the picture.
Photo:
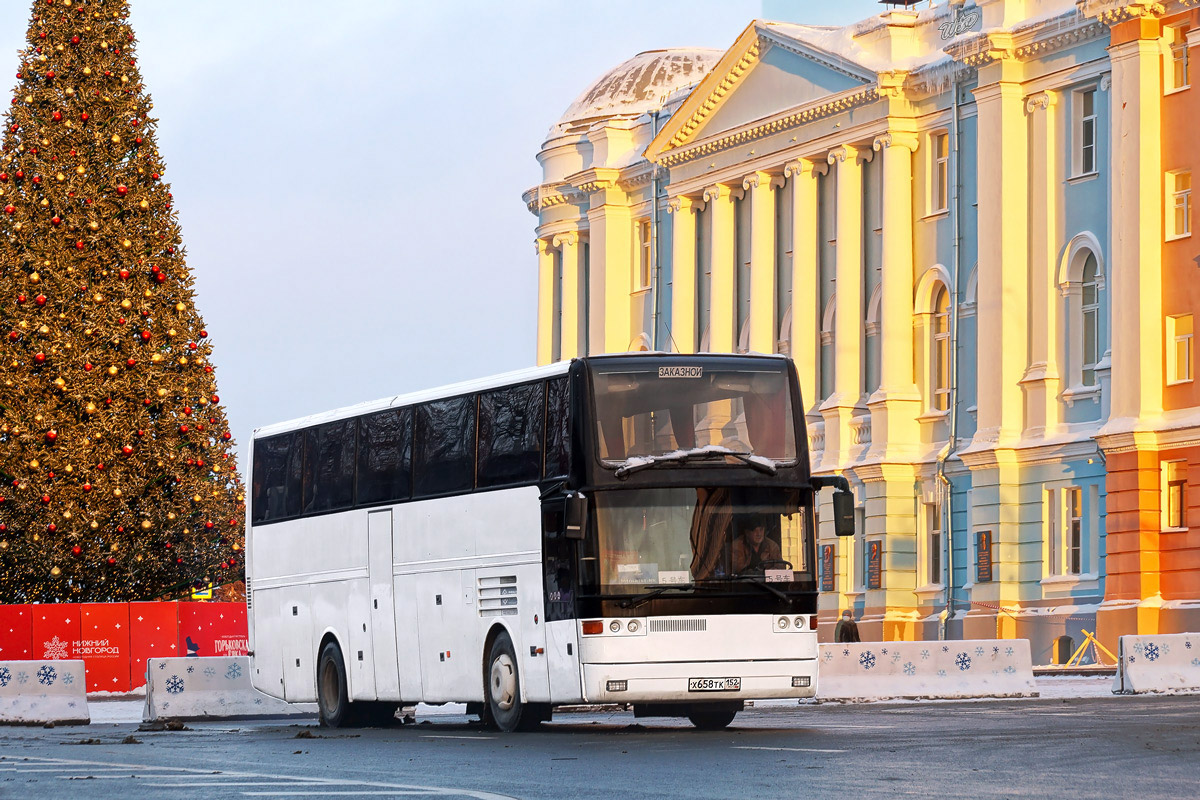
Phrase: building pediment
(772, 67)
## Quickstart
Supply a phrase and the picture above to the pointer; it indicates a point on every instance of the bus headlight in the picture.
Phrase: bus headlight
(782, 623)
(799, 622)
(615, 626)
(632, 626)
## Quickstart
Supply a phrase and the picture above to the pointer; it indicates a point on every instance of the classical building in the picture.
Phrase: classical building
(970, 227)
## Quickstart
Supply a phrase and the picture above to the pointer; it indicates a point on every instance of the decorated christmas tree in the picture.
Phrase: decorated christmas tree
(117, 472)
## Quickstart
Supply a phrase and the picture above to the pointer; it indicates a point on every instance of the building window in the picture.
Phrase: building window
(1090, 308)
(1179, 204)
(1085, 132)
(1174, 499)
(933, 546)
(939, 178)
(1175, 73)
(940, 350)
(642, 276)
(1068, 521)
(1181, 353)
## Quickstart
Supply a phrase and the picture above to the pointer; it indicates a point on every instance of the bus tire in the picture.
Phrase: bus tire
(334, 709)
(712, 719)
(502, 686)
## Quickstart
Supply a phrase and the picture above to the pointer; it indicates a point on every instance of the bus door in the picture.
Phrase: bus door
(383, 606)
(560, 586)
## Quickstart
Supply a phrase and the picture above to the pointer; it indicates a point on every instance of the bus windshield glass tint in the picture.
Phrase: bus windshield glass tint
(648, 408)
(701, 536)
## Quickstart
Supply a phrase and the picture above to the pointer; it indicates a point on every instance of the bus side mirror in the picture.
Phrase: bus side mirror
(843, 513)
(575, 516)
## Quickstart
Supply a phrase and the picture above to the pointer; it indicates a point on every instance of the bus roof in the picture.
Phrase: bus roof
(467, 387)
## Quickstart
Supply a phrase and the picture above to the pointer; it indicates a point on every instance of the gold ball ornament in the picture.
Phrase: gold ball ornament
(80, 170)
(126, 304)
(87, 70)
(145, 524)
(94, 225)
(93, 525)
(112, 370)
(55, 571)
(116, 492)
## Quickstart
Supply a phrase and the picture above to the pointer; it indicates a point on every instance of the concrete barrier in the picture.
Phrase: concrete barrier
(218, 688)
(1166, 663)
(37, 692)
(912, 670)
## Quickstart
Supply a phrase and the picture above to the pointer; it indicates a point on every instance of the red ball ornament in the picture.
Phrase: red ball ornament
(111, 561)
(140, 433)
(51, 435)
(56, 221)
(3, 177)
(20, 173)
(160, 277)
(87, 487)
(179, 561)
(45, 499)
(51, 528)
(138, 140)
(214, 399)
(79, 245)
(40, 299)
(120, 529)
(87, 367)
(85, 116)
(232, 560)
(187, 410)
(74, 40)
(21, 298)
(40, 358)
(100, 465)
(124, 274)
(191, 345)
(145, 336)
(227, 436)
(130, 362)
(14, 335)
(122, 190)
(57, 116)
(76, 549)
(224, 565)
(127, 450)
(203, 334)
(183, 428)
(10, 209)
(146, 402)
(208, 525)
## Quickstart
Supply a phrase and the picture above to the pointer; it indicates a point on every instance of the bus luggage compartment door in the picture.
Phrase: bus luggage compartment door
(383, 606)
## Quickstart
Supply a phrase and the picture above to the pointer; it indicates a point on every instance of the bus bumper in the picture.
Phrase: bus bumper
(669, 682)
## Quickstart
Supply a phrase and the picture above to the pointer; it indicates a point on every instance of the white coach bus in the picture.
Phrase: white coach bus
(618, 529)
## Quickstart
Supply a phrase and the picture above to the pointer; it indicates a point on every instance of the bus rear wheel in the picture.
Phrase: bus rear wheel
(333, 699)
(502, 687)
(713, 719)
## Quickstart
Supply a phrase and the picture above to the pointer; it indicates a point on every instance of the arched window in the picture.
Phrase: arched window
(1090, 308)
(872, 352)
(828, 360)
(939, 335)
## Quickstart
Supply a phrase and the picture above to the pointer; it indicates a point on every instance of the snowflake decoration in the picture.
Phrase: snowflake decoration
(883, 651)
(945, 648)
(1188, 644)
(910, 668)
(867, 659)
(162, 665)
(1137, 647)
(1196, 662)
(995, 650)
(941, 673)
(56, 649)
(46, 675)
(1132, 659)
(846, 652)
(962, 661)
(1010, 669)
(1152, 651)
(22, 678)
(68, 678)
(234, 671)
(258, 701)
(978, 651)
(174, 684)
(896, 656)
(924, 655)
(209, 672)
(827, 656)
(1008, 651)
(5, 676)
(191, 670)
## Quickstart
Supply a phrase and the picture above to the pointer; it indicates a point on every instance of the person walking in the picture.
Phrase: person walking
(847, 629)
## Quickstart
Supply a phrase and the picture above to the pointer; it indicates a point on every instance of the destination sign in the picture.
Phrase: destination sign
(681, 372)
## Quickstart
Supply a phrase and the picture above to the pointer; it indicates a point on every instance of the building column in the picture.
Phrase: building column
(722, 326)
(610, 238)
(806, 295)
(847, 382)
(571, 306)
(545, 317)
(760, 189)
(896, 405)
(683, 274)
(1042, 379)
(1133, 583)
(1003, 252)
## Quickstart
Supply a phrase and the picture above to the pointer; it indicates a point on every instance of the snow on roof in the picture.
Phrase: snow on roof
(637, 86)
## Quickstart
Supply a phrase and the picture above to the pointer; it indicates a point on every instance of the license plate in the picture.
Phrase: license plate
(714, 684)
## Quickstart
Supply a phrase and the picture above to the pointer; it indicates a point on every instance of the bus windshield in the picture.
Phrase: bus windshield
(704, 537)
(648, 408)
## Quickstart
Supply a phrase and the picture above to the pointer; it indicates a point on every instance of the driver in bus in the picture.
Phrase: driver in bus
(753, 549)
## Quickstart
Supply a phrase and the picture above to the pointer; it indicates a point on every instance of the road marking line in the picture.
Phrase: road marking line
(393, 793)
(789, 749)
(446, 736)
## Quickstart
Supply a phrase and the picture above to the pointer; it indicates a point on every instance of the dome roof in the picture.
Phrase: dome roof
(637, 86)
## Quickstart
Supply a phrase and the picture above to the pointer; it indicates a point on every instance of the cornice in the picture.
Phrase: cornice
(1114, 12)
(596, 179)
(546, 196)
(731, 79)
(981, 49)
(834, 104)
(638, 177)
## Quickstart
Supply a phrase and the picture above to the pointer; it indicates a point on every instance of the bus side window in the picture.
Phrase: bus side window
(384, 457)
(510, 435)
(277, 477)
(329, 451)
(444, 458)
(558, 573)
(557, 427)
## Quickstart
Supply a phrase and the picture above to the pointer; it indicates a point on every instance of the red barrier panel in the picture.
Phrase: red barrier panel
(55, 630)
(16, 633)
(104, 646)
(153, 633)
(213, 629)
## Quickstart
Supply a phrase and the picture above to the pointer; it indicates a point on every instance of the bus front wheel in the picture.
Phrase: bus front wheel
(502, 682)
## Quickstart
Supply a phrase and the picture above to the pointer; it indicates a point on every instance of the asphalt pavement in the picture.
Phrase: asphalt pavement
(1077, 741)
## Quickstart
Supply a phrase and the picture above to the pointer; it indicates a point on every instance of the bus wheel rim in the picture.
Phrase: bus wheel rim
(504, 682)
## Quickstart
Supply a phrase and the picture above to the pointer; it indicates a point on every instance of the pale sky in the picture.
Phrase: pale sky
(348, 175)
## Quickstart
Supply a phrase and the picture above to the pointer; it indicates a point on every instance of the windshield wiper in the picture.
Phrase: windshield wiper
(634, 602)
(751, 579)
(711, 451)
